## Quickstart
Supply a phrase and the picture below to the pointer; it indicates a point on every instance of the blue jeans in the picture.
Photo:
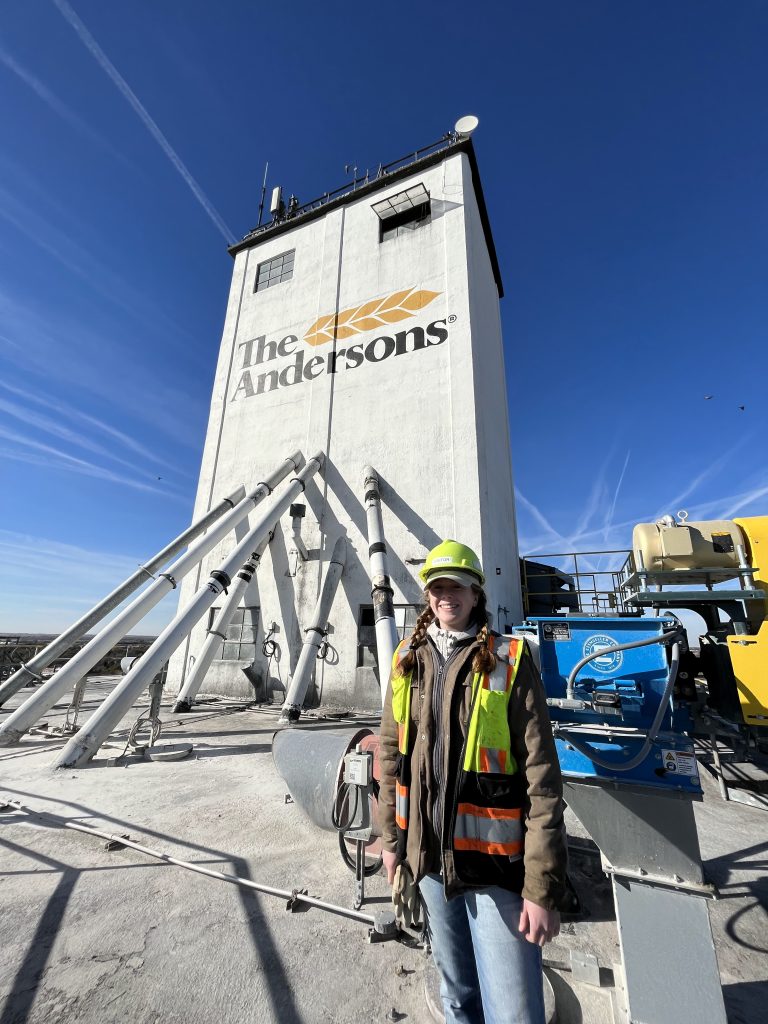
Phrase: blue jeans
(490, 973)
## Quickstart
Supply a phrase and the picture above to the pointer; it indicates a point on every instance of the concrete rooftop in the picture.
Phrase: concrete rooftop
(92, 936)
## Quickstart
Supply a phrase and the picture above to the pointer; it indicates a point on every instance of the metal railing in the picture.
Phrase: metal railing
(576, 584)
(291, 213)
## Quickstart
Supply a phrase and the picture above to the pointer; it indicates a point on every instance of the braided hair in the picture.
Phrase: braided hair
(484, 660)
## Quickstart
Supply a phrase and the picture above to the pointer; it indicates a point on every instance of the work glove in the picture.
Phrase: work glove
(405, 897)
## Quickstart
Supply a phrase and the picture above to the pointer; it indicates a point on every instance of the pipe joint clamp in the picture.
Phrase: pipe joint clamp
(221, 577)
(31, 672)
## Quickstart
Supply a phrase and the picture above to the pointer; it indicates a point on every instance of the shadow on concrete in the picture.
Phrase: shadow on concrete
(267, 954)
(752, 893)
(568, 1008)
(24, 987)
(745, 1001)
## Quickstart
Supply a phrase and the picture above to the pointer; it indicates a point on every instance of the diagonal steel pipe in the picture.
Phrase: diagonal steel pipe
(32, 669)
(314, 635)
(25, 716)
(84, 744)
(217, 632)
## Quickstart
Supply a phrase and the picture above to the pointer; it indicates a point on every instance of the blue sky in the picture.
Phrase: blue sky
(624, 160)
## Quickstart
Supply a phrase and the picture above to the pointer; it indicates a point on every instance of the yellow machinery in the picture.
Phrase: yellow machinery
(749, 654)
(711, 556)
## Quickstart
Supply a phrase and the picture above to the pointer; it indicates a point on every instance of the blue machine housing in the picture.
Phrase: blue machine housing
(622, 691)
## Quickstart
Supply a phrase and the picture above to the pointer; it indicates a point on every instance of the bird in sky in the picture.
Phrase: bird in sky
(707, 397)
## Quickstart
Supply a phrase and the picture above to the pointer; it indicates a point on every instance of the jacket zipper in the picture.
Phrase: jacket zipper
(442, 669)
(448, 836)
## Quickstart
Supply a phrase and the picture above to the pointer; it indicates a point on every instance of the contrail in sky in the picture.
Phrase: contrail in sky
(53, 101)
(106, 64)
(745, 499)
(612, 509)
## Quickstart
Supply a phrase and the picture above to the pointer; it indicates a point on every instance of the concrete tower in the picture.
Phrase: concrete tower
(366, 325)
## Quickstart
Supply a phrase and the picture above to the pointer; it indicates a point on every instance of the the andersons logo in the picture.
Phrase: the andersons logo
(257, 376)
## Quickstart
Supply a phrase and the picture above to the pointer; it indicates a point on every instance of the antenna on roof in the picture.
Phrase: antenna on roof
(466, 125)
(277, 206)
(263, 191)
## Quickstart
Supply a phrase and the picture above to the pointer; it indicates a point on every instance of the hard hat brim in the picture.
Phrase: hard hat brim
(466, 579)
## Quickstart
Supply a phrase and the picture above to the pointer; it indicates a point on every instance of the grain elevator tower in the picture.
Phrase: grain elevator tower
(364, 324)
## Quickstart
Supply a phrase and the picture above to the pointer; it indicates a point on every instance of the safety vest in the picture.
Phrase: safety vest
(487, 816)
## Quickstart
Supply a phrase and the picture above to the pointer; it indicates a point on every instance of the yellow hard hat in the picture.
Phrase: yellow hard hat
(451, 557)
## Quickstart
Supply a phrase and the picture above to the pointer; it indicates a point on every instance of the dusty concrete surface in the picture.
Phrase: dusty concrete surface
(92, 936)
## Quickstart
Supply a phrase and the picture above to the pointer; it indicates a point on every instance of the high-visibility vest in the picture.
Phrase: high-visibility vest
(482, 823)
(401, 710)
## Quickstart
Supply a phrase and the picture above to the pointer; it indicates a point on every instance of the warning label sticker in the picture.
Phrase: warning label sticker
(556, 631)
(680, 762)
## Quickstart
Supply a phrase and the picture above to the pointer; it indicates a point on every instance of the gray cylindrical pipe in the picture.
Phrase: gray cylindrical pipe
(314, 635)
(217, 632)
(24, 717)
(33, 668)
(84, 744)
(381, 587)
(311, 763)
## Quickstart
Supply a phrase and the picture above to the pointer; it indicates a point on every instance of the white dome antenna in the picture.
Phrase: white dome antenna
(466, 125)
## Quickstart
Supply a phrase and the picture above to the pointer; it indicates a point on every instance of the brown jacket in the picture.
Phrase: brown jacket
(542, 877)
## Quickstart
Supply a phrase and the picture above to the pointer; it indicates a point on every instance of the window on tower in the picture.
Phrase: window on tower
(403, 212)
(279, 268)
(405, 620)
(239, 642)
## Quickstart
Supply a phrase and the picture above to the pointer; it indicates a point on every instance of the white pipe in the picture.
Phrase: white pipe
(217, 632)
(33, 668)
(25, 716)
(314, 635)
(381, 592)
(298, 540)
(84, 744)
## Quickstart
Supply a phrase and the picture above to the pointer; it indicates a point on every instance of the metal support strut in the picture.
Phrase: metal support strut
(191, 688)
(25, 716)
(382, 925)
(31, 670)
(314, 635)
(82, 747)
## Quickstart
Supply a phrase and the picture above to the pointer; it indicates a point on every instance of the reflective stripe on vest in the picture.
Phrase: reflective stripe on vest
(496, 830)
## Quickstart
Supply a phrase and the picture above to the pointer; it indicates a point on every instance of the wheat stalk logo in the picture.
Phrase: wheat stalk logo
(376, 313)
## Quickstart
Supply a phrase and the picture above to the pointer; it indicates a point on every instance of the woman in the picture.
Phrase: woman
(471, 797)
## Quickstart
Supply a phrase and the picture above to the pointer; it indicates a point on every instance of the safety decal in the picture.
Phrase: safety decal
(679, 762)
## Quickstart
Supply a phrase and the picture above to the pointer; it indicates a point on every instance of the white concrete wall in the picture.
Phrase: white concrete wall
(432, 421)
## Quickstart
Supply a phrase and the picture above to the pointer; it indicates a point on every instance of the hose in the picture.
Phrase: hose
(341, 826)
(269, 646)
(602, 651)
(625, 766)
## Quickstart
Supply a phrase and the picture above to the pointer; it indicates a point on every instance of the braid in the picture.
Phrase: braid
(417, 638)
(485, 660)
